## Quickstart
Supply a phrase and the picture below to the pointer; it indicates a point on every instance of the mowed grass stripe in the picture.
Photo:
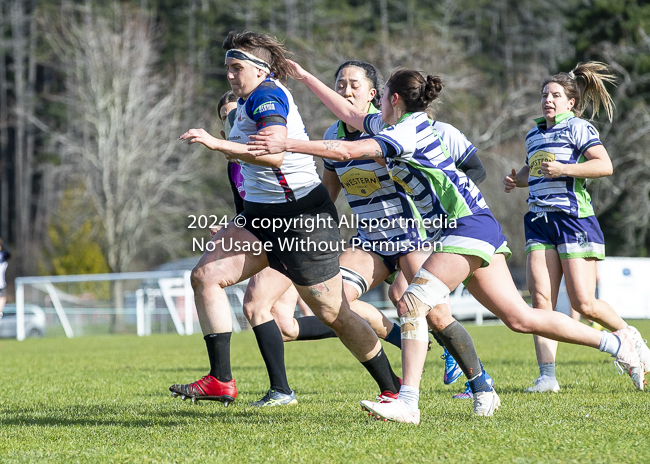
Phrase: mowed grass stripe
(105, 399)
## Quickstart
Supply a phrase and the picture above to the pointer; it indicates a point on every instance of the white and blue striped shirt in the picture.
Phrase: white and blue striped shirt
(371, 194)
(565, 142)
(421, 170)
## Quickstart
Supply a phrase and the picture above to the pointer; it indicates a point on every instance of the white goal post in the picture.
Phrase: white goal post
(168, 286)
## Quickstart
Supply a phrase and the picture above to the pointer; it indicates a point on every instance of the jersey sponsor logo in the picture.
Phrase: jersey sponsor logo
(535, 162)
(359, 182)
(268, 106)
(403, 184)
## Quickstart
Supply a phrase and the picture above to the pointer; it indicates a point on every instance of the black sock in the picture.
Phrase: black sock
(394, 337)
(269, 340)
(436, 337)
(380, 369)
(311, 328)
(460, 345)
(218, 346)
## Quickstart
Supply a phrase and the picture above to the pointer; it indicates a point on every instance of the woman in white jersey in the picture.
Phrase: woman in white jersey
(562, 234)
(469, 242)
(284, 199)
(258, 309)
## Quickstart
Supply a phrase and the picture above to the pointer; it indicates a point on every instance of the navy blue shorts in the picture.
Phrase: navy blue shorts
(476, 235)
(572, 237)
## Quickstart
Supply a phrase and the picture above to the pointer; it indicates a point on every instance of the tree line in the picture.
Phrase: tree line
(94, 94)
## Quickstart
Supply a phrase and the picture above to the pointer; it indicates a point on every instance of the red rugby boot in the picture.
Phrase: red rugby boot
(208, 388)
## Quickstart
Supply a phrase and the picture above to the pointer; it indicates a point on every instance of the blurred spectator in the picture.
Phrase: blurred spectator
(4, 257)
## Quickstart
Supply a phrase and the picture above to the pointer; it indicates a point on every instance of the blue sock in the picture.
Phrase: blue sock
(480, 383)
(394, 337)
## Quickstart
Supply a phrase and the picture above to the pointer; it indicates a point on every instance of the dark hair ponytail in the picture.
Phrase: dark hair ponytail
(416, 92)
(432, 90)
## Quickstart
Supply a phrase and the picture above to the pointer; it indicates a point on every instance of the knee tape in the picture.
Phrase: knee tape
(414, 328)
(428, 288)
(355, 279)
(425, 292)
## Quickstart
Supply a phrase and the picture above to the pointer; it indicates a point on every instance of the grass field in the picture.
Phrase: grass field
(105, 399)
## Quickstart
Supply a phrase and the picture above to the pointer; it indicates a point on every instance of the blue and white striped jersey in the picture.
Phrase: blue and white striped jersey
(565, 142)
(458, 146)
(371, 194)
(420, 168)
(270, 104)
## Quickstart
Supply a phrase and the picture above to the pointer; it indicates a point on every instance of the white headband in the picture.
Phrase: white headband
(252, 59)
(571, 75)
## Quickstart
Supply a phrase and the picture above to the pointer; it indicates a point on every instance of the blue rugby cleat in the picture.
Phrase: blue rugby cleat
(452, 369)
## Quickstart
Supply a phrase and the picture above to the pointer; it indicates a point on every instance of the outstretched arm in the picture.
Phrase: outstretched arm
(338, 150)
(238, 150)
(335, 102)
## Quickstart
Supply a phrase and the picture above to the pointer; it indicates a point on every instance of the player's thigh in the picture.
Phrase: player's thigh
(580, 279)
(325, 298)
(411, 263)
(264, 290)
(494, 288)
(231, 256)
(543, 276)
(284, 309)
(366, 264)
(452, 268)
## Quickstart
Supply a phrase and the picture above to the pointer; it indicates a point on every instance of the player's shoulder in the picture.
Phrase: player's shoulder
(268, 90)
(443, 126)
(331, 132)
(448, 130)
(577, 123)
(581, 127)
(532, 132)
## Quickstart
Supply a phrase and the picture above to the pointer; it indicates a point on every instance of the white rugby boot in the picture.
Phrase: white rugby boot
(543, 384)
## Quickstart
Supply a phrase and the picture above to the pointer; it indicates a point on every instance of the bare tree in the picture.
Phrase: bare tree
(291, 17)
(125, 118)
(191, 36)
(23, 168)
(30, 104)
(625, 196)
(4, 138)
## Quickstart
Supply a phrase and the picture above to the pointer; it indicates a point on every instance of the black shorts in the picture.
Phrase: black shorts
(306, 247)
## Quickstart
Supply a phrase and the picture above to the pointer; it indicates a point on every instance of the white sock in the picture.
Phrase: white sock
(410, 396)
(547, 369)
(609, 343)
